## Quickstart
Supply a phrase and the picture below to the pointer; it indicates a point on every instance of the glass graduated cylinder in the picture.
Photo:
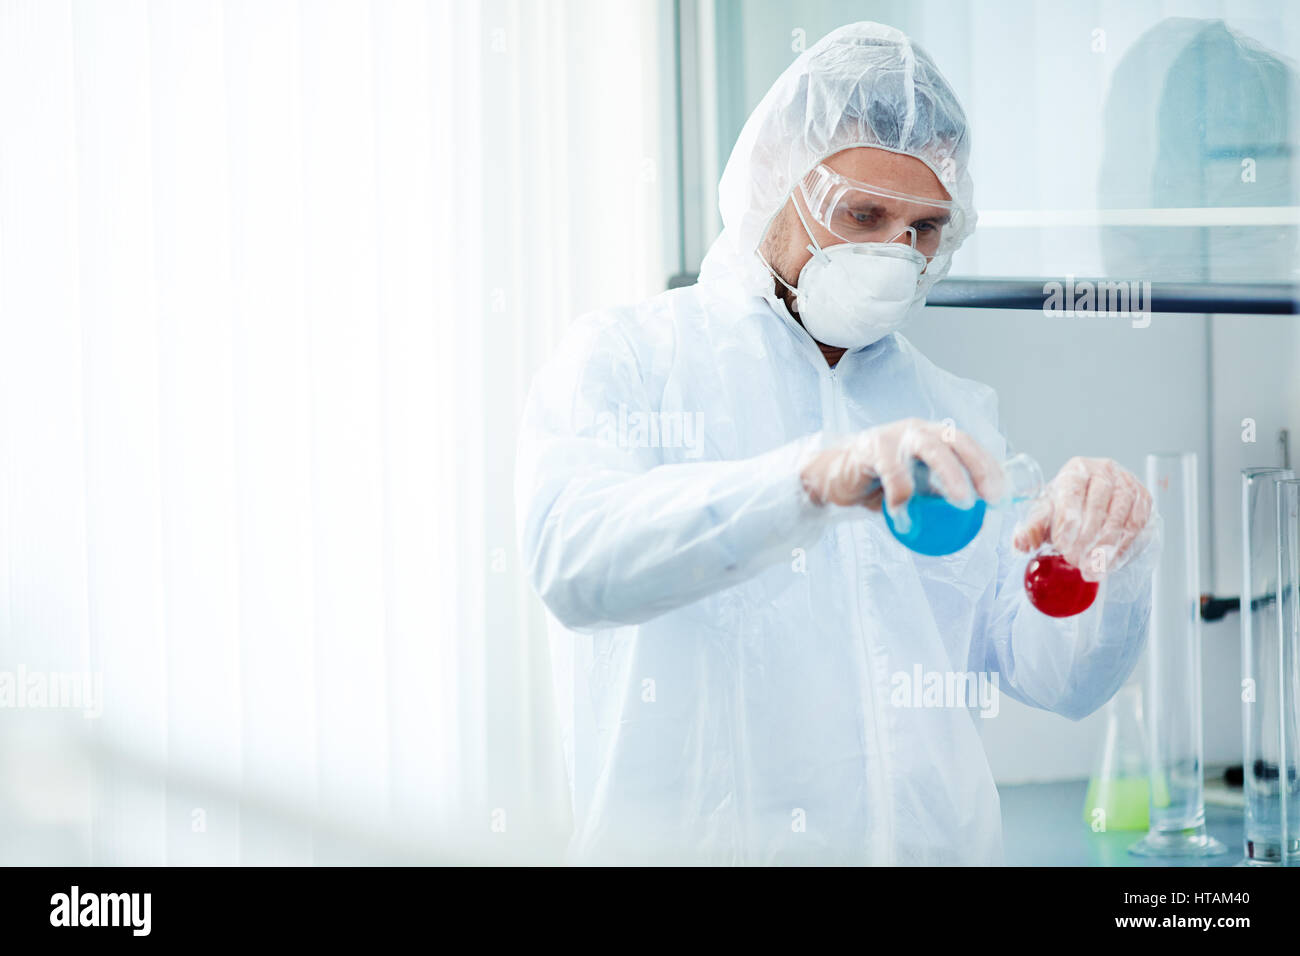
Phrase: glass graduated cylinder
(937, 527)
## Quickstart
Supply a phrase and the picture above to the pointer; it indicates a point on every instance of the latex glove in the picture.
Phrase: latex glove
(1093, 512)
(875, 466)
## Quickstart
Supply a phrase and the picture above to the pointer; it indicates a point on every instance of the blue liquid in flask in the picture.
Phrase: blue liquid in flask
(938, 527)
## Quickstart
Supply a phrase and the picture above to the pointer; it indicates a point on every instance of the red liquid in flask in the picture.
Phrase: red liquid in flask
(1056, 587)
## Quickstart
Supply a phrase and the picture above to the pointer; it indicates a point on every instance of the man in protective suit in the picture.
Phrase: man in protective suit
(729, 618)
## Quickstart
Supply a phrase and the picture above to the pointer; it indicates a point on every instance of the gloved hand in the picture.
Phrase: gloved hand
(875, 466)
(1092, 512)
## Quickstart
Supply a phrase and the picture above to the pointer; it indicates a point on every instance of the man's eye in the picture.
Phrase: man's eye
(862, 218)
(926, 227)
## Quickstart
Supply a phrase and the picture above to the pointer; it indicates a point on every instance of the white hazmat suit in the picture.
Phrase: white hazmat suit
(744, 676)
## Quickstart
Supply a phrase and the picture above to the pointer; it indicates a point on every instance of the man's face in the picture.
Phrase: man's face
(786, 245)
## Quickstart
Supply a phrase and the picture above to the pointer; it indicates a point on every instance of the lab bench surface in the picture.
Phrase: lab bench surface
(1042, 825)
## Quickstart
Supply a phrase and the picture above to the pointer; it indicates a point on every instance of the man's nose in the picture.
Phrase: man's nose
(907, 237)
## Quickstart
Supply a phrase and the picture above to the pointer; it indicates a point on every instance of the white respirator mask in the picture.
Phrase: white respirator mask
(852, 294)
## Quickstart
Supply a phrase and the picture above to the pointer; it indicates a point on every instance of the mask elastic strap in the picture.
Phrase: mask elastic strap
(812, 247)
(791, 289)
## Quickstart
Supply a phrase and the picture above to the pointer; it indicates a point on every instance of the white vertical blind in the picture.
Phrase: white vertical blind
(274, 278)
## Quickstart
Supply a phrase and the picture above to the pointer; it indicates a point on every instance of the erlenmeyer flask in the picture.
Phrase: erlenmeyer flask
(1119, 792)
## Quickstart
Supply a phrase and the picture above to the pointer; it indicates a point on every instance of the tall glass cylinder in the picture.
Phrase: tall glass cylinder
(1268, 692)
(1177, 771)
(1288, 602)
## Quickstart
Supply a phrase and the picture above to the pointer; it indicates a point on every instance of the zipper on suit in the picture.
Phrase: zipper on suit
(838, 415)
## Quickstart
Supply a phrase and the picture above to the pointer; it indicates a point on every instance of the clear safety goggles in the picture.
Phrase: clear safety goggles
(860, 212)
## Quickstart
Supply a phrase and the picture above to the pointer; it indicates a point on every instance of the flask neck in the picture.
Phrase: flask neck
(1022, 480)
